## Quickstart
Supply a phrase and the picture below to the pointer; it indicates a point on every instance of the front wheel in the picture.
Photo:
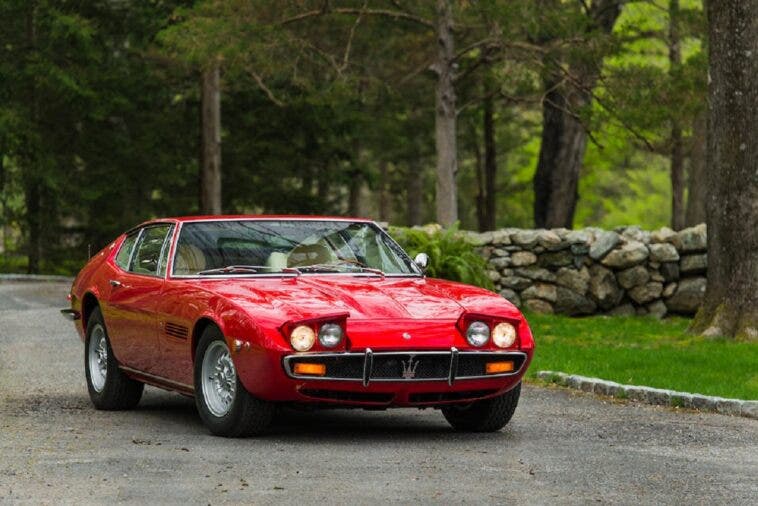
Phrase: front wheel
(109, 388)
(226, 408)
(488, 415)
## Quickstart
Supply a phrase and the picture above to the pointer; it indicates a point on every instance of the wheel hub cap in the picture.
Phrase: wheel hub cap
(98, 358)
(219, 381)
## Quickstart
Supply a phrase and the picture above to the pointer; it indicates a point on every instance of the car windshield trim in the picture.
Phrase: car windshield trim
(343, 266)
(361, 274)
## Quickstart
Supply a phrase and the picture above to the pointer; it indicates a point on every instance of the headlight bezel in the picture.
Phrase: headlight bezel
(466, 319)
(316, 324)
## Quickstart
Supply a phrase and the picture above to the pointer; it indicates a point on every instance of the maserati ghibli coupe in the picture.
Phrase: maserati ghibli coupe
(248, 313)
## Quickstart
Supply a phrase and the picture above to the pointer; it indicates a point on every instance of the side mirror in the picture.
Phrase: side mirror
(422, 261)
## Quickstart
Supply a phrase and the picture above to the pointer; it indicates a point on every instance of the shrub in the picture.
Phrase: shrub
(451, 256)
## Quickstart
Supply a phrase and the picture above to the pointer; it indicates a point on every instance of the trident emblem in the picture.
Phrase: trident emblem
(409, 368)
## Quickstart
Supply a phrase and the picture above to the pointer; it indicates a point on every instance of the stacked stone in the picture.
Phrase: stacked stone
(626, 271)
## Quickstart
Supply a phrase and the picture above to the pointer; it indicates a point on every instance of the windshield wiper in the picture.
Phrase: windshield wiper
(254, 269)
(328, 267)
(363, 266)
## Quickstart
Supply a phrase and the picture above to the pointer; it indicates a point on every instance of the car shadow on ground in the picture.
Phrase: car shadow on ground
(174, 413)
(347, 425)
(320, 425)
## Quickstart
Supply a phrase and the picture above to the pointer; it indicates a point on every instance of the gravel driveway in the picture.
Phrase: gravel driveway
(561, 446)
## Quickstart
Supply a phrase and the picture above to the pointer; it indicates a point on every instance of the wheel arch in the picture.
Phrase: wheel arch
(197, 331)
(89, 303)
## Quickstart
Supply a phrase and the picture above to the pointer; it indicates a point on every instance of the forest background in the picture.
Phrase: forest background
(491, 113)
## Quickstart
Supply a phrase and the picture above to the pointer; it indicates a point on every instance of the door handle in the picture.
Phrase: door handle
(115, 283)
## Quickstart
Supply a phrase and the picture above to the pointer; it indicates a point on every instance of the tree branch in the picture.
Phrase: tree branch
(348, 46)
(353, 11)
(601, 102)
(259, 81)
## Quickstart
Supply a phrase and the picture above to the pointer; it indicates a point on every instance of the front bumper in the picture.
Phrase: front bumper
(402, 366)
(380, 379)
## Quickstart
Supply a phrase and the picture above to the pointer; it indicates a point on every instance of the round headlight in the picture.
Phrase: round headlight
(478, 333)
(330, 335)
(504, 335)
(302, 338)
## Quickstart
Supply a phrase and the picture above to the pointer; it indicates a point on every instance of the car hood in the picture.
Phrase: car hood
(363, 297)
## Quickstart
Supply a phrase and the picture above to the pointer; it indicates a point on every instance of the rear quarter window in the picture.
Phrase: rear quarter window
(125, 252)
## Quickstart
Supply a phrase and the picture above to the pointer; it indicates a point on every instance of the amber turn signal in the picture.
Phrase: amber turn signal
(499, 367)
(310, 369)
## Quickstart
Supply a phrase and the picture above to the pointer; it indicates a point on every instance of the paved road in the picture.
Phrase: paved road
(561, 447)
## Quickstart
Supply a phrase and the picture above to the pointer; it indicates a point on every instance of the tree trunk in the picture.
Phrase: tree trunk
(31, 180)
(3, 204)
(697, 174)
(481, 192)
(210, 159)
(354, 194)
(415, 194)
(490, 164)
(323, 185)
(384, 198)
(445, 117)
(730, 307)
(677, 177)
(677, 147)
(564, 137)
(564, 141)
(34, 223)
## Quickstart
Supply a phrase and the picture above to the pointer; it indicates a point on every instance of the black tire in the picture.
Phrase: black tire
(247, 416)
(118, 391)
(488, 415)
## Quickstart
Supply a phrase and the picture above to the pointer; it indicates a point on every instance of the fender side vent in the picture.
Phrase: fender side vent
(178, 331)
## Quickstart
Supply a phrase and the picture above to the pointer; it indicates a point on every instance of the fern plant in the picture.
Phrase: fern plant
(451, 256)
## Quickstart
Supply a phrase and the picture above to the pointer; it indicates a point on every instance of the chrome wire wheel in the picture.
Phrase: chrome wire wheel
(219, 379)
(98, 358)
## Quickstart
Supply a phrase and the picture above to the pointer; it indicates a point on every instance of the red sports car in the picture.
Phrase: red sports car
(246, 313)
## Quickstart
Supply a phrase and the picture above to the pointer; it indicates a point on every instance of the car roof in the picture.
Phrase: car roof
(231, 217)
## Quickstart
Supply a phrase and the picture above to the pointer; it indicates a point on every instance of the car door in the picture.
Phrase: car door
(176, 312)
(133, 298)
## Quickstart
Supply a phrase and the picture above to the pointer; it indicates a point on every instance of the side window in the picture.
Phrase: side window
(125, 253)
(146, 258)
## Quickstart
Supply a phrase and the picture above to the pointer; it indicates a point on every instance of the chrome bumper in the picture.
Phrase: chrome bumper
(71, 314)
(403, 366)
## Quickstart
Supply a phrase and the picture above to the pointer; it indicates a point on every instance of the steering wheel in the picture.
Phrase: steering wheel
(309, 254)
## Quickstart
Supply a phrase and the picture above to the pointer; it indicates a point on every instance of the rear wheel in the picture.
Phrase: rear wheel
(226, 408)
(488, 415)
(109, 388)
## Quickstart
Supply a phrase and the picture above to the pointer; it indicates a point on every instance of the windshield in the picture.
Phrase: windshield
(250, 247)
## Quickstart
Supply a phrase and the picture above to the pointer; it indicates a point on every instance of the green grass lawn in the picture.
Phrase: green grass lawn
(644, 351)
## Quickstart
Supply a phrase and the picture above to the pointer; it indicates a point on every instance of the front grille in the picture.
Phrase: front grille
(472, 365)
(339, 395)
(449, 396)
(411, 367)
(339, 367)
(404, 366)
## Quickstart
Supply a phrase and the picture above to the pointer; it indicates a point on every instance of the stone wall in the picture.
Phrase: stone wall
(580, 272)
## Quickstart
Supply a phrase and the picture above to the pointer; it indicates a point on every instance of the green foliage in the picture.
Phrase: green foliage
(324, 111)
(644, 351)
(451, 256)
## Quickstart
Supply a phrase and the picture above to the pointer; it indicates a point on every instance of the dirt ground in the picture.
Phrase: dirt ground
(561, 447)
